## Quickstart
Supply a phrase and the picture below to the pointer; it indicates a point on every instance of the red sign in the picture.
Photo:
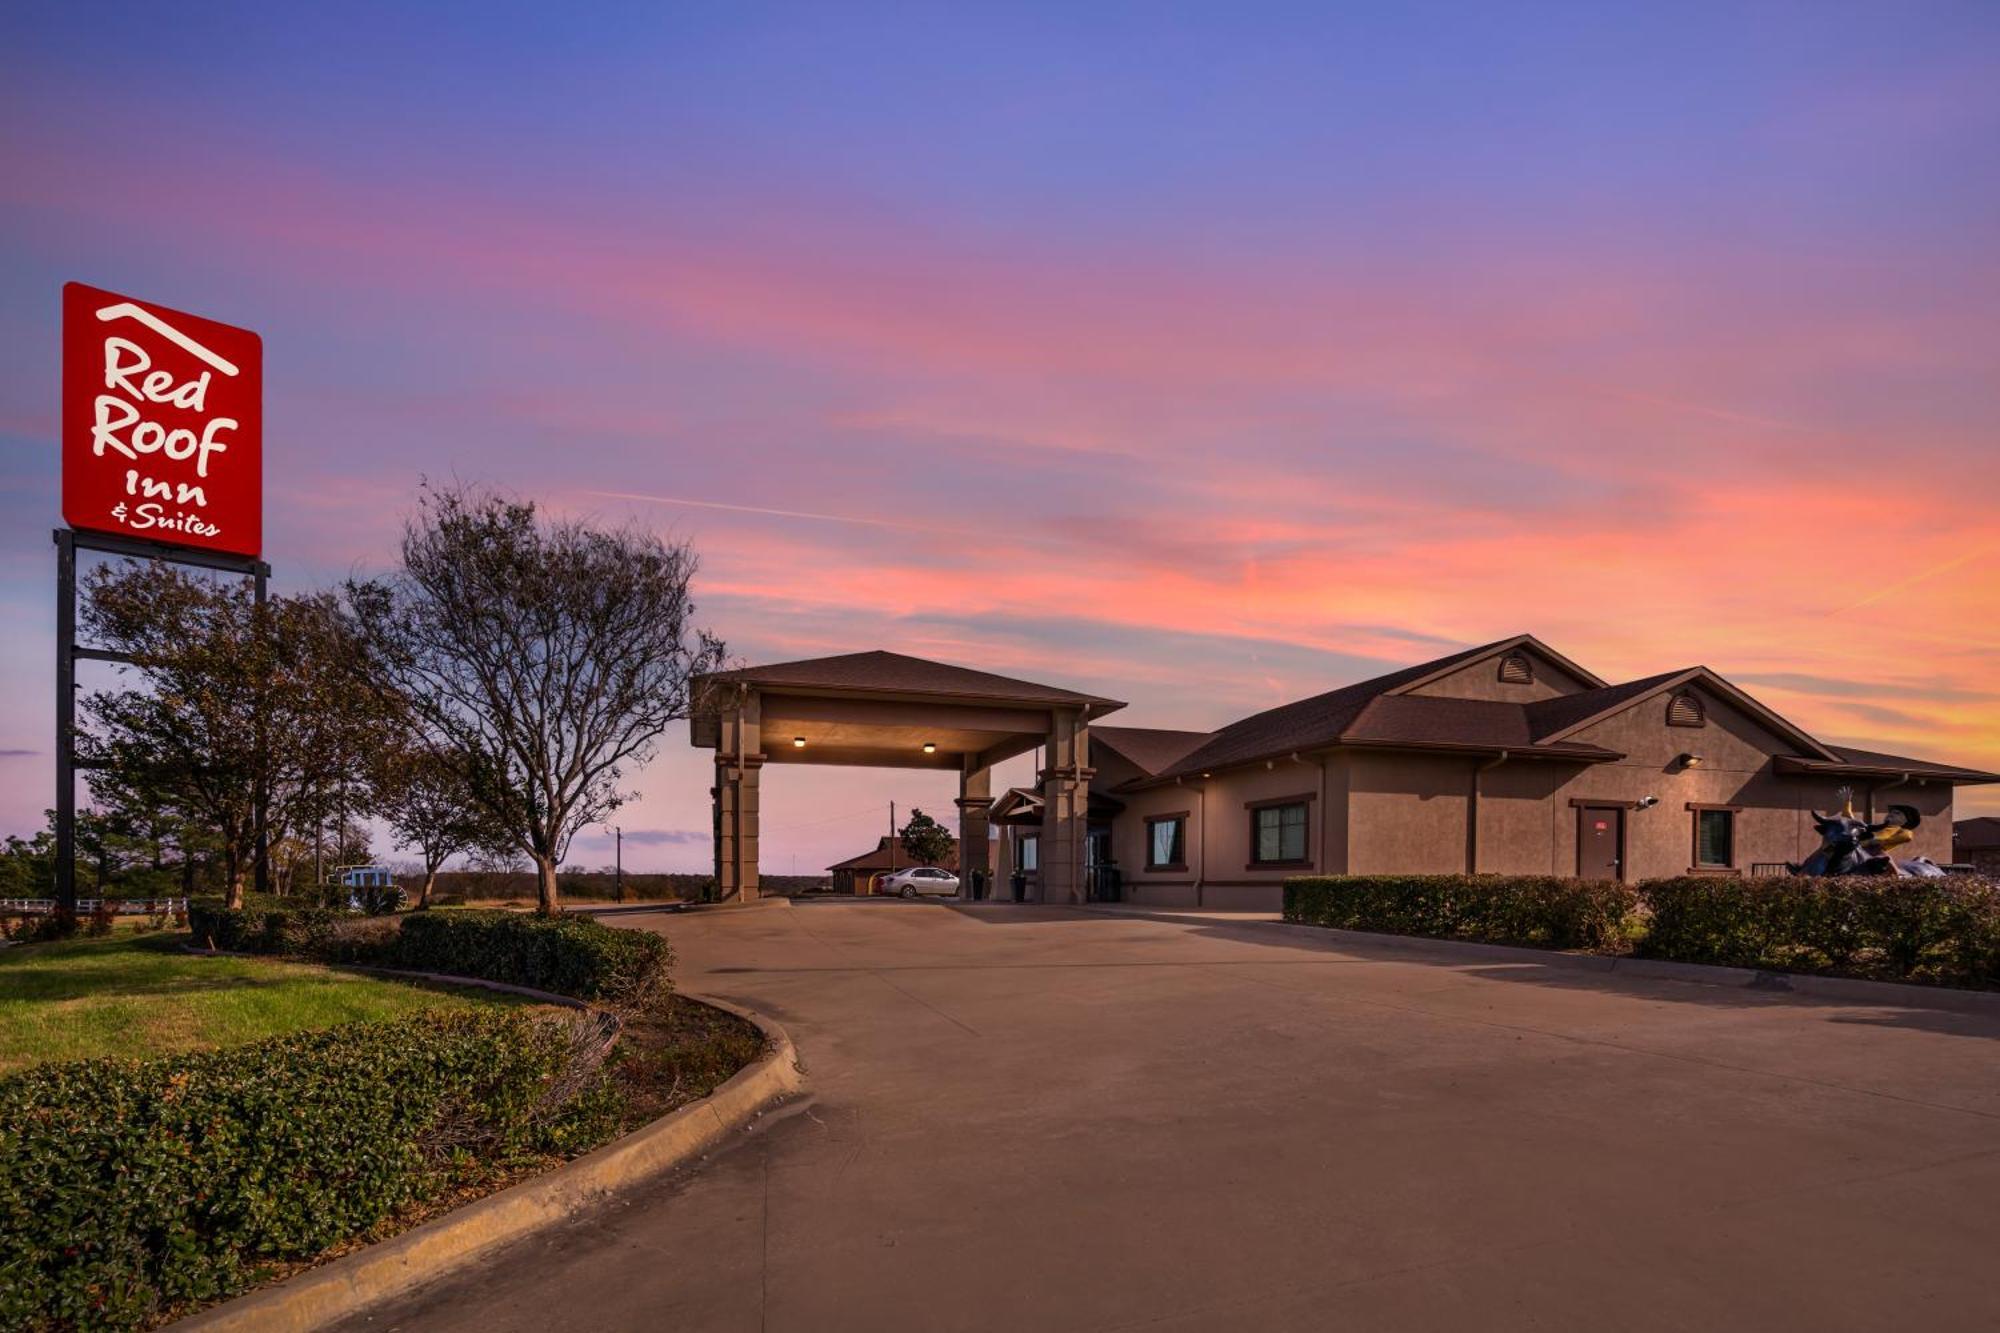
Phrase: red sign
(163, 424)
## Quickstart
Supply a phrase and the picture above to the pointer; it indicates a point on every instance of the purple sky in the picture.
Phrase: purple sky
(1197, 358)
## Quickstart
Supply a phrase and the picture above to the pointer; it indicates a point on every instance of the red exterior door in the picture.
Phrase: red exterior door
(1600, 842)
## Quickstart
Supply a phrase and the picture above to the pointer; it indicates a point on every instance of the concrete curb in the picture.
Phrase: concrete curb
(319, 1296)
(1853, 990)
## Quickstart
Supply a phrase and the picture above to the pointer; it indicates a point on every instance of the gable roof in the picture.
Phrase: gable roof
(1444, 666)
(1978, 833)
(1149, 749)
(898, 673)
(879, 858)
(1385, 712)
(1399, 718)
(1567, 712)
(1577, 711)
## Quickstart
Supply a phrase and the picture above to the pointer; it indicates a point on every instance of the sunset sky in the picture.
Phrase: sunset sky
(1204, 357)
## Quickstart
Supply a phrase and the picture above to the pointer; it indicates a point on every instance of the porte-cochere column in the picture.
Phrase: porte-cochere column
(739, 760)
(975, 802)
(1065, 807)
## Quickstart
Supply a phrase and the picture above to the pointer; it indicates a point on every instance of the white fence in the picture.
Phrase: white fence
(86, 906)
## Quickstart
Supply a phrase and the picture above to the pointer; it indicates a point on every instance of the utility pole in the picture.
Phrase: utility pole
(618, 862)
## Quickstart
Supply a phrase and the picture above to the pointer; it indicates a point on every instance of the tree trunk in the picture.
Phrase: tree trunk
(236, 861)
(545, 869)
(430, 882)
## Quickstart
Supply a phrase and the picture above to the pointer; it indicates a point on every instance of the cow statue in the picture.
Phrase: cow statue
(1850, 845)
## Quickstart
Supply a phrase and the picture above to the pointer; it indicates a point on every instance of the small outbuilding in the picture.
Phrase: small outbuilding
(857, 873)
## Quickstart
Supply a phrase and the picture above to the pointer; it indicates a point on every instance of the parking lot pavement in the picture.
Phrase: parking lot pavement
(1032, 1118)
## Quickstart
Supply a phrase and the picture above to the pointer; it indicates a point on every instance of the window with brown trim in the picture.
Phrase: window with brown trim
(1278, 834)
(1714, 839)
(1166, 842)
(1685, 710)
(1516, 669)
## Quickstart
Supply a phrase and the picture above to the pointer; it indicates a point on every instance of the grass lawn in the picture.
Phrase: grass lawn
(138, 995)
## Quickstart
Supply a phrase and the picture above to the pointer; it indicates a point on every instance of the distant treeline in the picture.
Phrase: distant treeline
(482, 885)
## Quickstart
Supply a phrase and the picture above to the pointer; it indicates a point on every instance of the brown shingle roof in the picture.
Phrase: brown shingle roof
(897, 673)
(1873, 763)
(1309, 723)
(1546, 717)
(1149, 748)
(879, 858)
(1976, 834)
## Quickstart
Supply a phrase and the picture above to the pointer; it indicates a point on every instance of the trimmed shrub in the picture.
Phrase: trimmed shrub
(285, 928)
(570, 955)
(136, 1187)
(1544, 911)
(1943, 931)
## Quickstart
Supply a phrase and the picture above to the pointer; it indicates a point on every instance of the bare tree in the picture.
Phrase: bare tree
(422, 793)
(546, 655)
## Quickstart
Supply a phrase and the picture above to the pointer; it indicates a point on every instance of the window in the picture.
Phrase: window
(1685, 710)
(1516, 669)
(1166, 842)
(1031, 852)
(1714, 839)
(1278, 834)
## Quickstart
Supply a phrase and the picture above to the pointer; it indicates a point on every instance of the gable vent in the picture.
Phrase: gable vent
(1516, 669)
(1685, 710)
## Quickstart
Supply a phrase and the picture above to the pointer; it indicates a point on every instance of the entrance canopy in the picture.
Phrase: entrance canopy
(888, 710)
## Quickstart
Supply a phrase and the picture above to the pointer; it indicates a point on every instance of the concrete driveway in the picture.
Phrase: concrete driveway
(1029, 1118)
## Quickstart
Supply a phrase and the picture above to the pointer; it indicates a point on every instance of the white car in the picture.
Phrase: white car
(918, 881)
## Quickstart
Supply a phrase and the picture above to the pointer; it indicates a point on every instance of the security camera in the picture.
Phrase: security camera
(1648, 802)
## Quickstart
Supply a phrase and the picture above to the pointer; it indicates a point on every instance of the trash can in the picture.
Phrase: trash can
(1020, 885)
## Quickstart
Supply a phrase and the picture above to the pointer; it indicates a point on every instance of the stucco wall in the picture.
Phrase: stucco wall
(1384, 812)
(1161, 888)
(1481, 680)
(1219, 873)
(1774, 824)
(1406, 813)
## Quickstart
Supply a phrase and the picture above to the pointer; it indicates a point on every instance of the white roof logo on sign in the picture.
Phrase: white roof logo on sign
(126, 310)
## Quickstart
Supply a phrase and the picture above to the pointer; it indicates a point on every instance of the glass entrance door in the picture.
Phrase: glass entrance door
(1100, 872)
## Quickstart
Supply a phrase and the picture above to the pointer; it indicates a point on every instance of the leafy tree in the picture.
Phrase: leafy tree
(238, 697)
(546, 655)
(28, 866)
(422, 792)
(927, 841)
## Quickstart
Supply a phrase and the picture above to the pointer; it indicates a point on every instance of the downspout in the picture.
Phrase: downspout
(1319, 843)
(1472, 812)
(1201, 825)
(1873, 792)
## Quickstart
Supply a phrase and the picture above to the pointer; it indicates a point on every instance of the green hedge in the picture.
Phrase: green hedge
(1943, 931)
(280, 928)
(1545, 911)
(1940, 931)
(569, 955)
(130, 1188)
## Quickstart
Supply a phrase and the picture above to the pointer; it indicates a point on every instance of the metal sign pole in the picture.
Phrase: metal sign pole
(65, 722)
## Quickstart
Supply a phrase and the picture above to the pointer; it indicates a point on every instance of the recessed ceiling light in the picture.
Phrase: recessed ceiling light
(798, 742)
(930, 747)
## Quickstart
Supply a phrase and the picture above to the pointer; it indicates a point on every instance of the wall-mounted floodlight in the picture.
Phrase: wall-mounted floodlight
(1689, 761)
